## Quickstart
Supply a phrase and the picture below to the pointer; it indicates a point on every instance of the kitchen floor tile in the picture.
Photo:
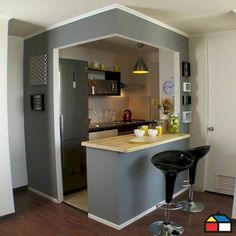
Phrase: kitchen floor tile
(78, 200)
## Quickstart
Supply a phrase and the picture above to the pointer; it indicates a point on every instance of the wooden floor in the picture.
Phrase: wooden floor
(38, 216)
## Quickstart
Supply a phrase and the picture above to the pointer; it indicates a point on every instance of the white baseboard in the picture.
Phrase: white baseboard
(233, 214)
(105, 222)
(132, 220)
(180, 192)
(43, 195)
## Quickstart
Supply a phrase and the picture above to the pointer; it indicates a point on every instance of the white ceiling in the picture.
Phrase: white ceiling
(189, 16)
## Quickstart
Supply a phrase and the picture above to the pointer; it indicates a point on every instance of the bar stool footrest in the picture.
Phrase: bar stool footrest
(193, 207)
(172, 206)
(158, 228)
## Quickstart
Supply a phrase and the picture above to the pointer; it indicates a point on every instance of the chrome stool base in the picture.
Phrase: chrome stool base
(188, 206)
(158, 228)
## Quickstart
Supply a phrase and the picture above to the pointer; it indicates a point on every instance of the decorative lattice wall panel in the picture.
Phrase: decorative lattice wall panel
(38, 70)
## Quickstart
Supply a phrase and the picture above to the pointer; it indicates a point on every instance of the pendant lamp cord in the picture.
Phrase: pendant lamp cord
(140, 45)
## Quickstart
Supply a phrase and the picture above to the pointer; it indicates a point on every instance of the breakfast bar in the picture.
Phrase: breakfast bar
(123, 186)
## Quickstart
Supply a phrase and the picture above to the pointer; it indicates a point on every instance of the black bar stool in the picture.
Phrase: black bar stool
(171, 163)
(190, 205)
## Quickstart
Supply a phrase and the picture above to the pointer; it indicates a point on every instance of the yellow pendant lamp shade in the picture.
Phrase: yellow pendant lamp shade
(140, 66)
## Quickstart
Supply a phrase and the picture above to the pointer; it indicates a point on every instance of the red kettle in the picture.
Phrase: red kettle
(127, 116)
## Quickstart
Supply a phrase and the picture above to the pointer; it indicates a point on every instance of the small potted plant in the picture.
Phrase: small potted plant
(165, 105)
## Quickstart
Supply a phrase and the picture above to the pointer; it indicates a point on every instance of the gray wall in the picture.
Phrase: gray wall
(123, 185)
(39, 125)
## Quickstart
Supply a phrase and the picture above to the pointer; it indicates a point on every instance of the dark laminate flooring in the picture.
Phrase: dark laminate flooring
(38, 216)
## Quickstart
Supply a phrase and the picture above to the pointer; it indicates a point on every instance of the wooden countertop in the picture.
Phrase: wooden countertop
(131, 143)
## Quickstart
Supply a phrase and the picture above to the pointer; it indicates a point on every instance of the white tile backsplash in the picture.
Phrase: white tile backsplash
(139, 105)
(99, 104)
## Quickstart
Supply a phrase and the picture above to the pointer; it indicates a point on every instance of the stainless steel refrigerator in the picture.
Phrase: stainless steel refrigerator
(74, 122)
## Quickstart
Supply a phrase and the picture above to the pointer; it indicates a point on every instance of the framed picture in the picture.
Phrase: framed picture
(186, 87)
(187, 117)
(37, 102)
(185, 69)
(186, 100)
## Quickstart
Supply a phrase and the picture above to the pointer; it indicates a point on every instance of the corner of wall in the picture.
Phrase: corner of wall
(16, 111)
(198, 127)
(6, 196)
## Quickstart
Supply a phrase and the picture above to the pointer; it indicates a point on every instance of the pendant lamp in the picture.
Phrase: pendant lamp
(140, 66)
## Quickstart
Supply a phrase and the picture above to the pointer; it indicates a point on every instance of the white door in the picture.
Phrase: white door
(221, 161)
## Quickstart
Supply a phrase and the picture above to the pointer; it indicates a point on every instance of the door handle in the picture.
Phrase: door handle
(61, 125)
(210, 128)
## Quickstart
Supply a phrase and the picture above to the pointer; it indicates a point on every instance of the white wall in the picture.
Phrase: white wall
(168, 66)
(140, 99)
(198, 127)
(6, 196)
(166, 61)
(234, 204)
(16, 112)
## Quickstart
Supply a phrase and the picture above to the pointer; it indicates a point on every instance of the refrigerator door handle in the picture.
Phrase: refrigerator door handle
(61, 125)
(74, 83)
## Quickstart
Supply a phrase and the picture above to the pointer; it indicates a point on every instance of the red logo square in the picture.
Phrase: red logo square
(211, 227)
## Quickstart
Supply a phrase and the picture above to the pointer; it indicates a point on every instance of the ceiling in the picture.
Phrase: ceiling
(119, 45)
(190, 16)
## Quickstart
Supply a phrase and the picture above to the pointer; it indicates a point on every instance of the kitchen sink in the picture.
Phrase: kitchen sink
(103, 124)
(122, 126)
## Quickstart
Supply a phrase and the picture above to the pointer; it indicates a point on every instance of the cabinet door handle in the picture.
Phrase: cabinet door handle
(210, 128)
(74, 80)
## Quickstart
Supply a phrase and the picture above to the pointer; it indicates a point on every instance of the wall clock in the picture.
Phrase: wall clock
(169, 87)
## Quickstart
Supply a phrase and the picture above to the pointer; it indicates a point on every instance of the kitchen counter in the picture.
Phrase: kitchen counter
(123, 185)
(120, 125)
(131, 143)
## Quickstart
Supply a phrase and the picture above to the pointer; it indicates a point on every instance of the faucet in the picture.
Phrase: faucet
(92, 110)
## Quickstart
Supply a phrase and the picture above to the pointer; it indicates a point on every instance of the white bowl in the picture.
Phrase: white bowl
(139, 132)
(152, 132)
